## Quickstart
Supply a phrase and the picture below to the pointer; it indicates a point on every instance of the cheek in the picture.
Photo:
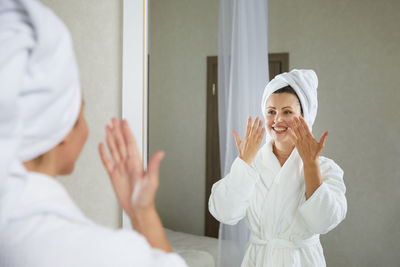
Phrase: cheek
(268, 122)
(290, 117)
(84, 131)
(268, 125)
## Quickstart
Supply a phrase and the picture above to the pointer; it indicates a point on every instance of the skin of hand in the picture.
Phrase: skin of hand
(134, 187)
(250, 144)
(309, 150)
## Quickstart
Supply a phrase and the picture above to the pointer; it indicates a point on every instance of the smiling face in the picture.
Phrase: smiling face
(280, 110)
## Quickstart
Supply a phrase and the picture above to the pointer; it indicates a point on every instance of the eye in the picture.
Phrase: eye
(270, 112)
(288, 112)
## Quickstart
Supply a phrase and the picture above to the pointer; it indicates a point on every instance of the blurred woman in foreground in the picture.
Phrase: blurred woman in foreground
(42, 106)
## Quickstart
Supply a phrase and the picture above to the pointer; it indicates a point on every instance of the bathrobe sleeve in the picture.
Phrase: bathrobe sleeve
(327, 206)
(230, 196)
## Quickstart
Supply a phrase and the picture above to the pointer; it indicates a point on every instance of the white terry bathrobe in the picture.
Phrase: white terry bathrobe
(284, 226)
(40, 225)
(45, 228)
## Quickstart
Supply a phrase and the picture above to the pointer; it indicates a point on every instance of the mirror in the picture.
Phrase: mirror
(353, 48)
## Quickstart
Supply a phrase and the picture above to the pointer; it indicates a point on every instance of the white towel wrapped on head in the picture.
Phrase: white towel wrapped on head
(39, 84)
(304, 83)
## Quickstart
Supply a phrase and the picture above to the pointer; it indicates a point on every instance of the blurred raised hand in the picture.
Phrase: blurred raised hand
(134, 187)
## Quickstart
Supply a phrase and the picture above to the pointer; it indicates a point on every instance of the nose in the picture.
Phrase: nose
(278, 118)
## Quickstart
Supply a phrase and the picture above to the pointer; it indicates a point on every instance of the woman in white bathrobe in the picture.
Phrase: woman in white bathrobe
(286, 191)
(42, 108)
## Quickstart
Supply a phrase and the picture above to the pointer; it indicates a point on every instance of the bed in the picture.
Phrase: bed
(198, 251)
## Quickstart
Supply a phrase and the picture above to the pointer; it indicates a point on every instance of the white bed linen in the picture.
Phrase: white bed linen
(197, 251)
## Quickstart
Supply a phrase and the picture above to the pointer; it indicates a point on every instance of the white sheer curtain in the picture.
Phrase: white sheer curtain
(242, 76)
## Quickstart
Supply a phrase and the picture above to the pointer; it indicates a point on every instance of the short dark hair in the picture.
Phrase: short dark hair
(288, 89)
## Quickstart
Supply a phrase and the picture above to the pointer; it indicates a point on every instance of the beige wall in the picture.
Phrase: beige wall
(182, 35)
(354, 48)
(96, 28)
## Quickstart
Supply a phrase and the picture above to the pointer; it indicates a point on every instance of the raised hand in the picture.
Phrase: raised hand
(249, 146)
(309, 149)
(134, 187)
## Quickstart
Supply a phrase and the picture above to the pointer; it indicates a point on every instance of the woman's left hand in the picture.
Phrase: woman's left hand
(309, 149)
(134, 187)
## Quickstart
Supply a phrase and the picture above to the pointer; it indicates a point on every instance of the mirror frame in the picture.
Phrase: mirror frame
(135, 75)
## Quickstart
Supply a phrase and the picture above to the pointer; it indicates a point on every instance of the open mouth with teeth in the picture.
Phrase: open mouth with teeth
(280, 130)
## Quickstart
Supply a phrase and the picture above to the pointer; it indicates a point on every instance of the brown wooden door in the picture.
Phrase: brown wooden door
(213, 167)
(278, 63)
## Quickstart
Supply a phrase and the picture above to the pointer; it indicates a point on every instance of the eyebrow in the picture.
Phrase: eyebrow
(282, 108)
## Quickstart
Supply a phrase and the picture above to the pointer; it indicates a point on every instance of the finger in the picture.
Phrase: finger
(260, 127)
(261, 136)
(237, 139)
(291, 124)
(248, 126)
(117, 132)
(295, 128)
(111, 145)
(302, 131)
(132, 151)
(299, 128)
(305, 127)
(323, 139)
(254, 127)
(107, 163)
(153, 170)
(130, 141)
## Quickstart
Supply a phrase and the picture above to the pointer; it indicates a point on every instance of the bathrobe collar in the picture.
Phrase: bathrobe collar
(270, 168)
(40, 194)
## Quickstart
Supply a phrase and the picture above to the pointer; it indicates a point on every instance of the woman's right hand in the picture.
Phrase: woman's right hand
(249, 145)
